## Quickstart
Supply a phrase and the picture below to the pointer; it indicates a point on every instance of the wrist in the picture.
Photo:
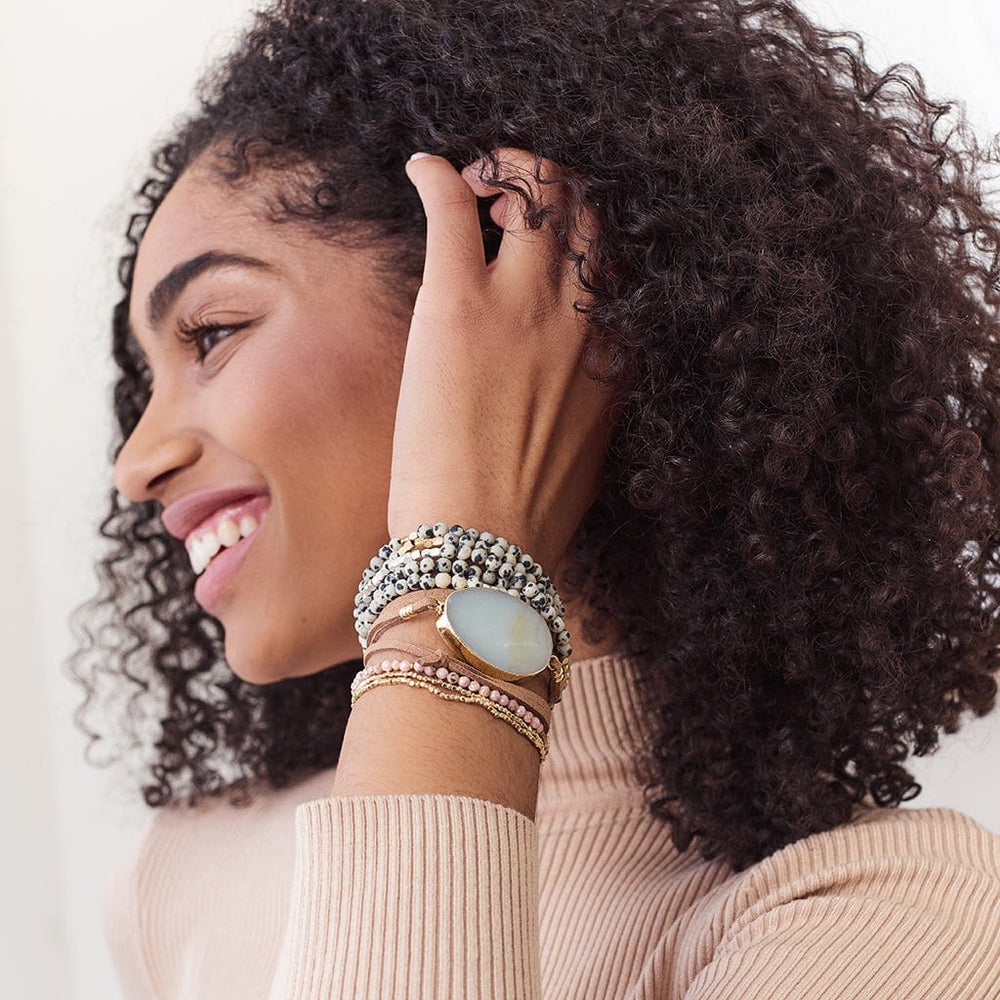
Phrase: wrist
(408, 740)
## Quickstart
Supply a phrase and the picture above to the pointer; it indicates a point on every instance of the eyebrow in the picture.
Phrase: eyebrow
(170, 286)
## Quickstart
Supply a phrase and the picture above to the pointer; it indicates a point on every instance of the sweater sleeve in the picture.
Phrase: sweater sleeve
(895, 913)
(411, 897)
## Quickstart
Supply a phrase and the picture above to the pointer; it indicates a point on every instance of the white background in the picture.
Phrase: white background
(84, 90)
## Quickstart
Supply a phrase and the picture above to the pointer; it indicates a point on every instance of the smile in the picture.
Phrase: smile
(204, 545)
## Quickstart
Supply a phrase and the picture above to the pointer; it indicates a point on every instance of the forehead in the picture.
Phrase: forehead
(203, 214)
(198, 213)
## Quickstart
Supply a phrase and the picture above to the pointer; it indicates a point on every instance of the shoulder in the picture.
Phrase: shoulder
(895, 903)
(875, 848)
(931, 859)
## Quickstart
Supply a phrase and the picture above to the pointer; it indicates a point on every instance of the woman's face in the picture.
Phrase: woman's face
(291, 415)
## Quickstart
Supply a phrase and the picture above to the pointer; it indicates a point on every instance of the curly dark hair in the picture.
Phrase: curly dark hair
(798, 529)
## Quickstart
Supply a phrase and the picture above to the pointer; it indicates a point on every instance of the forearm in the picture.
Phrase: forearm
(401, 739)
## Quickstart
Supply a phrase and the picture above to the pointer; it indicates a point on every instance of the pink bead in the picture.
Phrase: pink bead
(385, 664)
(474, 685)
(453, 678)
(429, 671)
(521, 711)
(494, 695)
(408, 666)
(464, 682)
(442, 672)
(504, 700)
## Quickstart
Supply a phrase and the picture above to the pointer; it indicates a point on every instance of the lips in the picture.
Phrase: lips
(218, 528)
(183, 516)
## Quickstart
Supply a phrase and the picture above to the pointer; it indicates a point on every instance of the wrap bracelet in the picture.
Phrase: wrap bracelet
(452, 685)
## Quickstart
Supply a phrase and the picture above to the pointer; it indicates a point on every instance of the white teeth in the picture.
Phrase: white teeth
(206, 547)
(210, 544)
(204, 556)
(202, 550)
(228, 533)
(197, 556)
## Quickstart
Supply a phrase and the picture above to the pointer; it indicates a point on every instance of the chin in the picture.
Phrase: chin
(258, 662)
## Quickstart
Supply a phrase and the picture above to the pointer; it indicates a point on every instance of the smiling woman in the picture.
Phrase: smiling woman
(730, 376)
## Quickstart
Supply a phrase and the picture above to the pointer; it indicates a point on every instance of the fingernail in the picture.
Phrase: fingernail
(416, 156)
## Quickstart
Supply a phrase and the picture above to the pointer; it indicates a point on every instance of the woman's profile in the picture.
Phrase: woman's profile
(531, 563)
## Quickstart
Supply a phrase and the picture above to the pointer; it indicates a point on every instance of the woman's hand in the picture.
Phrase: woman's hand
(497, 428)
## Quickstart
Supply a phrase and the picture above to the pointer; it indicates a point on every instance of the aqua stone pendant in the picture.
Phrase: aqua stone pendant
(497, 632)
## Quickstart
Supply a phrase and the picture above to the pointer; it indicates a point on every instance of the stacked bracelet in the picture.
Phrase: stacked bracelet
(499, 644)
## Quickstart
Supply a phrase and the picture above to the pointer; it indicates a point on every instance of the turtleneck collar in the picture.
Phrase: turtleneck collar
(597, 728)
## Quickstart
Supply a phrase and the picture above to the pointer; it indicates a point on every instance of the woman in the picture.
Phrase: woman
(703, 317)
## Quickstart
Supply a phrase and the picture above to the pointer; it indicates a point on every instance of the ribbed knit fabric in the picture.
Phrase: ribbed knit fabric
(427, 897)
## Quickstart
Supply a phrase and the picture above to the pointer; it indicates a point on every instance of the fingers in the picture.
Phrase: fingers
(454, 239)
(522, 249)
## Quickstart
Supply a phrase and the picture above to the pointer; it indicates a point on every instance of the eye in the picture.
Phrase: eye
(204, 336)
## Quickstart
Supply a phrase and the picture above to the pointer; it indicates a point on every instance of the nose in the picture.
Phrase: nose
(158, 447)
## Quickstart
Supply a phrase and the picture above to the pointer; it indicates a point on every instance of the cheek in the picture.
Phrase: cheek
(312, 408)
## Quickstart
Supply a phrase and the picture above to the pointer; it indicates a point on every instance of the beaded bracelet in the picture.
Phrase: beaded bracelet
(452, 687)
(536, 707)
(456, 557)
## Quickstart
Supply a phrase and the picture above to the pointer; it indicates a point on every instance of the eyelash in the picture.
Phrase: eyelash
(195, 334)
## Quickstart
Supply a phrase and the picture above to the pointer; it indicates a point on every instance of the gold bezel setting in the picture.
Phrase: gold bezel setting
(446, 628)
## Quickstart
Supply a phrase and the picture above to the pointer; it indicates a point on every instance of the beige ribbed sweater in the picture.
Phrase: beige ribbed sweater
(302, 897)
